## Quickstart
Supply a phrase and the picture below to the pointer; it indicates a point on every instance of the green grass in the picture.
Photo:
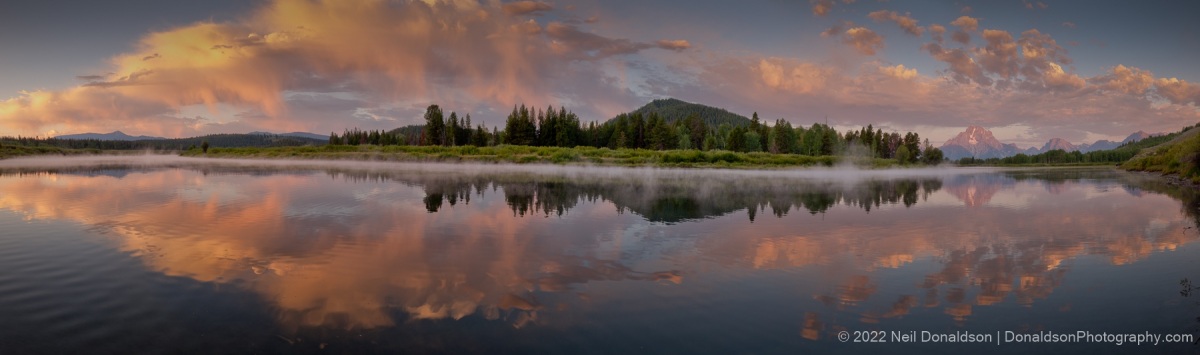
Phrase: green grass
(13, 151)
(541, 155)
(1181, 157)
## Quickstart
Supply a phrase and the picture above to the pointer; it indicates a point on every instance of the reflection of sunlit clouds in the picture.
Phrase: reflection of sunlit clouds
(959, 312)
(785, 252)
(856, 290)
(812, 326)
(321, 266)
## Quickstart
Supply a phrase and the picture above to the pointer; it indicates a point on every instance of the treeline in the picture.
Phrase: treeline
(219, 140)
(562, 128)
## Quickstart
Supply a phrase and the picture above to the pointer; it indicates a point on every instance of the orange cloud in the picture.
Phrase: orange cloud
(1124, 79)
(526, 7)
(863, 39)
(904, 21)
(966, 23)
(821, 7)
(936, 31)
(677, 45)
(898, 71)
(800, 78)
(1056, 78)
(1178, 91)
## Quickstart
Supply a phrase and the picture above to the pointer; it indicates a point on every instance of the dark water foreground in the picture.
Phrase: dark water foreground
(196, 258)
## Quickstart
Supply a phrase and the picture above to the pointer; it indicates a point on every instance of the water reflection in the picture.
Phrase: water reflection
(347, 248)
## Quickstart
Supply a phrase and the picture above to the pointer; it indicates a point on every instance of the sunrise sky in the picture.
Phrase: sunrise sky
(1028, 70)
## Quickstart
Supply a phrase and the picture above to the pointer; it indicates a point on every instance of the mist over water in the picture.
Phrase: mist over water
(338, 256)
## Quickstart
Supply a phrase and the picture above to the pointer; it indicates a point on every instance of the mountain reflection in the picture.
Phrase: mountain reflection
(349, 248)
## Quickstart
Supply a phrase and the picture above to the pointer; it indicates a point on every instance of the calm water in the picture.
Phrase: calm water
(162, 255)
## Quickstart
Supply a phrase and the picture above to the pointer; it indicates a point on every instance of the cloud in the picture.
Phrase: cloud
(795, 77)
(999, 56)
(963, 68)
(898, 71)
(904, 21)
(1178, 91)
(676, 45)
(460, 54)
(570, 41)
(1128, 80)
(863, 39)
(526, 7)
(821, 7)
(1056, 78)
(837, 29)
(961, 36)
(1068, 24)
(936, 31)
(966, 23)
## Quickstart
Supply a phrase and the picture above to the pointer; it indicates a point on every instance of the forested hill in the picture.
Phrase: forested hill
(672, 110)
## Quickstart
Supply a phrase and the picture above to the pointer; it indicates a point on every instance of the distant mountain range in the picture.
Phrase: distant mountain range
(979, 142)
(114, 136)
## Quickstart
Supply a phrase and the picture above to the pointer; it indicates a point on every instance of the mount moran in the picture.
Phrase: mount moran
(979, 142)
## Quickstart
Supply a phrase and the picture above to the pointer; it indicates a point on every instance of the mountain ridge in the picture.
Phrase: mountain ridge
(978, 142)
(111, 136)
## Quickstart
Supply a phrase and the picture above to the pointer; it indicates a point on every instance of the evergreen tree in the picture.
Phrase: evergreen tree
(434, 125)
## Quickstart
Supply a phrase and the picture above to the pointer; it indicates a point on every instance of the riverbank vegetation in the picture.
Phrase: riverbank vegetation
(1179, 155)
(544, 155)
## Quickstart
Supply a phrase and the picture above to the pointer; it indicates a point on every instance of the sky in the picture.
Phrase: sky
(1027, 70)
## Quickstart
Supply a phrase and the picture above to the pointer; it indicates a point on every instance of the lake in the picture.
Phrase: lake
(174, 255)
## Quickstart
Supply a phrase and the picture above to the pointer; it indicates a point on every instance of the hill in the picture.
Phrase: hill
(1176, 153)
(672, 110)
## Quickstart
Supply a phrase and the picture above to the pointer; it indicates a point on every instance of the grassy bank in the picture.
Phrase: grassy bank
(1180, 156)
(13, 151)
(541, 155)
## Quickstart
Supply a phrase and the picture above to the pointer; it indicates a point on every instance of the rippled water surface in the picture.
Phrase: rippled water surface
(167, 255)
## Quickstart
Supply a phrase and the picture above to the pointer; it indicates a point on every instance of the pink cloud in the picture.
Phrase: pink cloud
(1178, 91)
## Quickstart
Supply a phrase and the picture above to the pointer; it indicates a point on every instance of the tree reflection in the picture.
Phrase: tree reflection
(661, 200)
